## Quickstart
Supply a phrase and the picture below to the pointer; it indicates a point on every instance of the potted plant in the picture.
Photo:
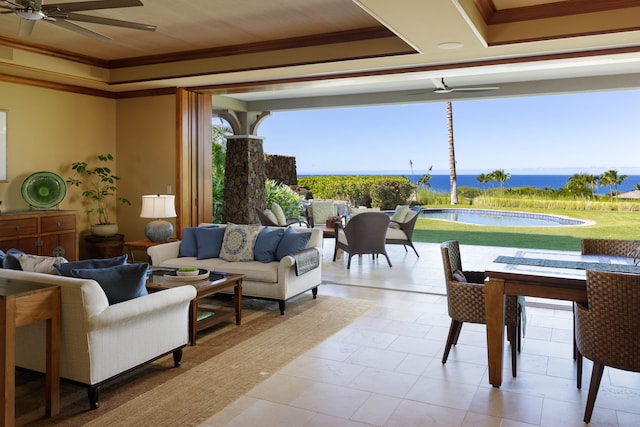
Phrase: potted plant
(100, 190)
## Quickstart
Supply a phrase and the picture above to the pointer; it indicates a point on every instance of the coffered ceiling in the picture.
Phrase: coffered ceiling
(285, 54)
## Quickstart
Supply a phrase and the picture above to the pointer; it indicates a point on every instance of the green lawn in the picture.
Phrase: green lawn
(606, 224)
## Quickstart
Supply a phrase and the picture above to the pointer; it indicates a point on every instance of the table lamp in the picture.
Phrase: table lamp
(158, 206)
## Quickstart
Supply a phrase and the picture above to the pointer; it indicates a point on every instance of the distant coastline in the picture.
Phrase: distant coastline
(440, 183)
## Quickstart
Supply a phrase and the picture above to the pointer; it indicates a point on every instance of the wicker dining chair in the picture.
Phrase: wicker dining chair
(465, 300)
(608, 327)
(364, 234)
(613, 247)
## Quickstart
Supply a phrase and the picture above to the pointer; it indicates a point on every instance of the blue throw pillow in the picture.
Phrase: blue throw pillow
(209, 241)
(267, 244)
(291, 242)
(120, 283)
(64, 269)
(2, 256)
(12, 259)
(188, 245)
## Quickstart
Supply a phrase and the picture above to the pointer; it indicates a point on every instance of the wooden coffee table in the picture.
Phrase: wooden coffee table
(210, 314)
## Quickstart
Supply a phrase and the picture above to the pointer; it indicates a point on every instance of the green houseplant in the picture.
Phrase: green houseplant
(99, 185)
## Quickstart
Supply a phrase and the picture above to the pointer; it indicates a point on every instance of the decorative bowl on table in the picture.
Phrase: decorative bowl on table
(177, 276)
(188, 271)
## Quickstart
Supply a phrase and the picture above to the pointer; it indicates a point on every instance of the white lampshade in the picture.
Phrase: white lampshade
(158, 206)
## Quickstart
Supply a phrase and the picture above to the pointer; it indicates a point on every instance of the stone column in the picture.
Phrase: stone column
(244, 179)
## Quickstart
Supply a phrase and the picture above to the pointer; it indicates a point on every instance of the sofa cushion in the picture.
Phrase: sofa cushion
(209, 241)
(292, 241)
(398, 215)
(253, 271)
(238, 242)
(64, 269)
(281, 218)
(40, 264)
(188, 244)
(120, 283)
(267, 244)
(11, 260)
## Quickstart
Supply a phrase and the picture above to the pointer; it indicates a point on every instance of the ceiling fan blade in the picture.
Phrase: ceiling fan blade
(78, 29)
(12, 4)
(103, 21)
(473, 89)
(26, 27)
(90, 5)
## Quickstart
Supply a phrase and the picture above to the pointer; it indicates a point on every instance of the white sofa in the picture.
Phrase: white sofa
(276, 280)
(99, 341)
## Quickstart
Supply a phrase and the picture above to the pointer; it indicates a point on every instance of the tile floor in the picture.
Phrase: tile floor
(385, 369)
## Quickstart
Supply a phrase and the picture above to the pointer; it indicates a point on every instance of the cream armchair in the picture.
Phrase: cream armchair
(99, 341)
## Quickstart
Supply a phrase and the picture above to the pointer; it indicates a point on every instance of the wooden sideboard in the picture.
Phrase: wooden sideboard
(49, 233)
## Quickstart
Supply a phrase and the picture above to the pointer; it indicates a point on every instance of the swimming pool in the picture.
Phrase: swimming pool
(498, 218)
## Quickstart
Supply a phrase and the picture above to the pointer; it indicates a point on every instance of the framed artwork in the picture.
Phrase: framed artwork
(3, 146)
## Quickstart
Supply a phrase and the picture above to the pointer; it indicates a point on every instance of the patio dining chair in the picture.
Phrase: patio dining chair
(402, 234)
(364, 234)
(465, 301)
(608, 328)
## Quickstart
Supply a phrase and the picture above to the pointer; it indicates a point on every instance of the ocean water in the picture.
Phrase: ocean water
(440, 183)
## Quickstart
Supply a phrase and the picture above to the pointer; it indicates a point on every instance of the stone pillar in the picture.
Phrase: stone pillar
(244, 179)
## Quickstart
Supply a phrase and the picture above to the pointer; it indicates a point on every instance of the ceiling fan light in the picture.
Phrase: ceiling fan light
(30, 14)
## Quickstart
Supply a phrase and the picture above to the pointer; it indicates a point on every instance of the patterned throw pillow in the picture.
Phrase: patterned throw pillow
(321, 211)
(40, 264)
(238, 242)
(279, 213)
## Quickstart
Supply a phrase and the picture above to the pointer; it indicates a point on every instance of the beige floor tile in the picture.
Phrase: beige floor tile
(322, 420)
(331, 399)
(384, 382)
(377, 409)
(377, 358)
(411, 413)
(323, 370)
(444, 393)
(506, 404)
(263, 413)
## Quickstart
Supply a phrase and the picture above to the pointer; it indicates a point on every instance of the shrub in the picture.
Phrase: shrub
(289, 201)
(389, 192)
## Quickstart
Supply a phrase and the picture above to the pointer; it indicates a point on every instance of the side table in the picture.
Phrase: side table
(141, 245)
(23, 303)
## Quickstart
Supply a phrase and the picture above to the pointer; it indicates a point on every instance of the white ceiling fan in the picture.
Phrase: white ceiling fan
(441, 87)
(31, 11)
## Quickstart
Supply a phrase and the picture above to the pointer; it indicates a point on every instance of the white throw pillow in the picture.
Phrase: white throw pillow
(40, 264)
(238, 242)
(279, 213)
(272, 217)
(398, 215)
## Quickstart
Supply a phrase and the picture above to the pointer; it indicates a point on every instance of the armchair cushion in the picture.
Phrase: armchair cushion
(267, 244)
(271, 215)
(459, 276)
(281, 218)
(292, 241)
(64, 269)
(120, 283)
(209, 241)
(40, 264)
(238, 242)
(398, 215)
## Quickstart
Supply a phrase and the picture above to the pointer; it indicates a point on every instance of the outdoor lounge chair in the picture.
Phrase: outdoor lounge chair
(268, 220)
(364, 234)
(403, 235)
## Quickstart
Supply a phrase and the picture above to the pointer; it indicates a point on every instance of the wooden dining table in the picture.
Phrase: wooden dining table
(541, 274)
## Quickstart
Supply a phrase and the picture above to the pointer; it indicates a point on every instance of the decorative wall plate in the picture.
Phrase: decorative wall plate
(43, 190)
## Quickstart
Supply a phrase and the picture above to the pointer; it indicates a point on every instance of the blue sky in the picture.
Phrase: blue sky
(560, 134)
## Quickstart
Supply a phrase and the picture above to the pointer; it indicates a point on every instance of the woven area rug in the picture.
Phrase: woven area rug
(226, 363)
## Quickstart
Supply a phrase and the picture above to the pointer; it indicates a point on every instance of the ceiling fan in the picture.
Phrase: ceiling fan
(441, 87)
(31, 11)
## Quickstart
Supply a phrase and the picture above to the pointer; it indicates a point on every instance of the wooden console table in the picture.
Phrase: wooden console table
(23, 303)
(141, 245)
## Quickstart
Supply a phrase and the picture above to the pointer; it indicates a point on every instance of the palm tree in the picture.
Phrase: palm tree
(219, 133)
(500, 176)
(612, 179)
(483, 178)
(592, 181)
(578, 184)
(636, 187)
(453, 180)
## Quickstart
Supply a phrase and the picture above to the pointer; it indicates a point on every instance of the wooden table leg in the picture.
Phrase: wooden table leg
(7, 361)
(53, 357)
(494, 312)
(193, 321)
(238, 296)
